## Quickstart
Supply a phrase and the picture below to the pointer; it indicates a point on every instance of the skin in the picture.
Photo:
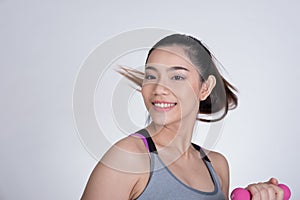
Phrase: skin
(267, 190)
(123, 172)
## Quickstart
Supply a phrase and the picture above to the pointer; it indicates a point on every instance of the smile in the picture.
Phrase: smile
(163, 106)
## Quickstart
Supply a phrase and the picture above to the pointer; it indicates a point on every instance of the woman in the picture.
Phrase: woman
(180, 84)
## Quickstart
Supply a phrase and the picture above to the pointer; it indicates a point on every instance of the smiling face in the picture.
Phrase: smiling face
(171, 89)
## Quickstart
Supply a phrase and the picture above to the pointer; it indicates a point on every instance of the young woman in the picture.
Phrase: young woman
(181, 83)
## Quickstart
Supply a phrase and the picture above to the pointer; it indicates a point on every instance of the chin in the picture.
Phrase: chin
(163, 121)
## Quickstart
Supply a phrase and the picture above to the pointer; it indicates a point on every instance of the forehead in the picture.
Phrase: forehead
(169, 56)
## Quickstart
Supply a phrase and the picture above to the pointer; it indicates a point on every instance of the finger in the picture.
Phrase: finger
(254, 189)
(263, 191)
(273, 181)
(279, 193)
(270, 191)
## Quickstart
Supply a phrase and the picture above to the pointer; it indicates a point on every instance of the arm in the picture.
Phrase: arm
(259, 191)
(107, 183)
(118, 174)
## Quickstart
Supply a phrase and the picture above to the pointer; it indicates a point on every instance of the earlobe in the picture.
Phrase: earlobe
(207, 87)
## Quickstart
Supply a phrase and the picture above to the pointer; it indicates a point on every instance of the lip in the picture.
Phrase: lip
(163, 106)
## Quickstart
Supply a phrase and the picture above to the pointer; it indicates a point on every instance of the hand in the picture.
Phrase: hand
(266, 191)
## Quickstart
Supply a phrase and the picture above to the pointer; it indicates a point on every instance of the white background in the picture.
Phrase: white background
(44, 43)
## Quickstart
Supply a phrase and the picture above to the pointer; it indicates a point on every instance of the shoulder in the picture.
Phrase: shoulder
(218, 160)
(128, 154)
(122, 168)
(132, 143)
(221, 167)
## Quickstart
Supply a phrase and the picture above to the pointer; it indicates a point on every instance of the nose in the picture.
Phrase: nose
(160, 89)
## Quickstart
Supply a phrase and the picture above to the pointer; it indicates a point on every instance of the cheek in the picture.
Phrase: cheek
(188, 91)
(146, 89)
(146, 93)
(196, 89)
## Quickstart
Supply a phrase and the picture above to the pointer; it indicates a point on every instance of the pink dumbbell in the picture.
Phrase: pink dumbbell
(243, 194)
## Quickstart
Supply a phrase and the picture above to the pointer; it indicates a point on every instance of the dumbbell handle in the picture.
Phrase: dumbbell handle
(243, 194)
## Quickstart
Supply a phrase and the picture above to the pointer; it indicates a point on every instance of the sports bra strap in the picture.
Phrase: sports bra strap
(202, 153)
(145, 136)
(149, 142)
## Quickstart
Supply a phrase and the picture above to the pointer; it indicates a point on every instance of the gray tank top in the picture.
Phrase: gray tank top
(164, 185)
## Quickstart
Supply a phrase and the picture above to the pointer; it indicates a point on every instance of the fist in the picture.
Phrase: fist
(266, 191)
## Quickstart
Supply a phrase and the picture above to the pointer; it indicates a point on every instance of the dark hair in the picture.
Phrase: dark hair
(222, 97)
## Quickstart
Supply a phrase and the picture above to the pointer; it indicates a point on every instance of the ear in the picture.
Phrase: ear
(207, 87)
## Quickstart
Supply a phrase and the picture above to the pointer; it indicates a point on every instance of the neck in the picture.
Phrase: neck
(175, 138)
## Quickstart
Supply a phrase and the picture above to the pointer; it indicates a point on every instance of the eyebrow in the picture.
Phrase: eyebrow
(169, 69)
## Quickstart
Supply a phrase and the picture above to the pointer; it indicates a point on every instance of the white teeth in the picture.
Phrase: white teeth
(164, 105)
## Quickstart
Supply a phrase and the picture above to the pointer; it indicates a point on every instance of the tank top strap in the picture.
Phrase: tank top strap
(202, 153)
(209, 166)
(162, 184)
(144, 134)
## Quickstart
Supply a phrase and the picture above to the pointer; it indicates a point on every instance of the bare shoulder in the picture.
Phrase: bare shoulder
(217, 159)
(128, 155)
(220, 165)
(121, 169)
(132, 144)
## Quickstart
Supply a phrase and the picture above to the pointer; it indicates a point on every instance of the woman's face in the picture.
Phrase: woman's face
(171, 87)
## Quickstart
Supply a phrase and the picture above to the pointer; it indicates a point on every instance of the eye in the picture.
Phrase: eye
(149, 77)
(178, 77)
